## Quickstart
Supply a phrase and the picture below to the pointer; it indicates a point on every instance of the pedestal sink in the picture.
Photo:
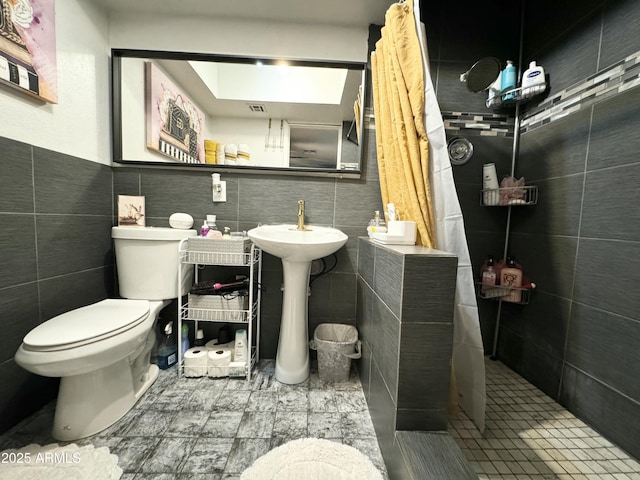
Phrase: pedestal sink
(296, 248)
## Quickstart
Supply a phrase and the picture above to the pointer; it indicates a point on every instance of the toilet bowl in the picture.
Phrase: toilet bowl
(102, 351)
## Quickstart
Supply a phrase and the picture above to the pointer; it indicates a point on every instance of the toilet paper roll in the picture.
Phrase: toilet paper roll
(218, 363)
(214, 345)
(196, 362)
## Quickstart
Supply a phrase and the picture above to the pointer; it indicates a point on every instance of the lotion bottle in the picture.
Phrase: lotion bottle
(532, 78)
(511, 277)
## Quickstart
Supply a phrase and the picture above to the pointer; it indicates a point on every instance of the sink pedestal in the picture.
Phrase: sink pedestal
(292, 358)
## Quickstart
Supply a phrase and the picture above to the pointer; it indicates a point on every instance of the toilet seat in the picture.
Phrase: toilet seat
(86, 325)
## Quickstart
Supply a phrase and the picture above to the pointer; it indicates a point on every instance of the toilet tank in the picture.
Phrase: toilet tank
(147, 262)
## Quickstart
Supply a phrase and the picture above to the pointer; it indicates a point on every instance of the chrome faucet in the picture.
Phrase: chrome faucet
(301, 216)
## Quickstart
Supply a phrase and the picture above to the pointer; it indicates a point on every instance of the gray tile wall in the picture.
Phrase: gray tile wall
(578, 338)
(55, 252)
(405, 320)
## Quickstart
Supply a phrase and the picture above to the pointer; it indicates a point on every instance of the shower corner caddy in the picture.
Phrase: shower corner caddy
(507, 197)
(500, 292)
(245, 310)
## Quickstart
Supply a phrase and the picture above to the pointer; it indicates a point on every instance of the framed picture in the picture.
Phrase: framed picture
(175, 125)
(131, 211)
(28, 47)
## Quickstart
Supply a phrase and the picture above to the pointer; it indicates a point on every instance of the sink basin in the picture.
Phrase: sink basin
(296, 248)
(286, 242)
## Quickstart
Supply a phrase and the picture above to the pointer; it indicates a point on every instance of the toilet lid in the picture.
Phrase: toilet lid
(86, 324)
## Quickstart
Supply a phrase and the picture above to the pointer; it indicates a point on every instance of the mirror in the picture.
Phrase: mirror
(482, 74)
(222, 113)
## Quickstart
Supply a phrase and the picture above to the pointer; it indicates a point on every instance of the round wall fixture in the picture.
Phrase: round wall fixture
(460, 150)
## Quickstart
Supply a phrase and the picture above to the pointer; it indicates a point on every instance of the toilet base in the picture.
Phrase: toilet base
(91, 402)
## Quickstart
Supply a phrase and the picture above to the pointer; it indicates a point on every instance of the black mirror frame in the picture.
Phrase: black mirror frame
(116, 112)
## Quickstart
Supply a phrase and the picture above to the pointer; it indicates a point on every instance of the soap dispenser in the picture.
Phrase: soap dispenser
(508, 81)
(511, 277)
(204, 229)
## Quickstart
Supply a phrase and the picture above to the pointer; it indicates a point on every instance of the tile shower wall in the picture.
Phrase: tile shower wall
(578, 338)
(55, 252)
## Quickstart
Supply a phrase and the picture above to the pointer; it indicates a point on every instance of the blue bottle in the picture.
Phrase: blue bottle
(508, 81)
(167, 347)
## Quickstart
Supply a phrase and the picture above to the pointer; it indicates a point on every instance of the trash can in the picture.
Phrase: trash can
(336, 344)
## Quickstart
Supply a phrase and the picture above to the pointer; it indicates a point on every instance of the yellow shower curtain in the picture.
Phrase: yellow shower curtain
(401, 138)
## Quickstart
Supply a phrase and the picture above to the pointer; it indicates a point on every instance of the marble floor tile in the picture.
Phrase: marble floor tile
(233, 400)
(262, 401)
(322, 401)
(293, 400)
(187, 423)
(350, 401)
(209, 455)
(324, 425)
(256, 425)
(133, 451)
(290, 425)
(244, 452)
(357, 424)
(169, 456)
(150, 423)
(222, 424)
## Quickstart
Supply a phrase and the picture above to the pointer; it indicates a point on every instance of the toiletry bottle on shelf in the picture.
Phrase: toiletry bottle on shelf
(376, 224)
(494, 91)
(199, 340)
(532, 80)
(204, 229)
(167, 347)
(185, 338)
(226, 233)
(489, 278)
(490, 186)
(240, 350)
(213, 228)
(508, 81)
(511, 277)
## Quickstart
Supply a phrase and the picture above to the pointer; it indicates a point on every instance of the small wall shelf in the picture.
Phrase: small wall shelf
(509, 196)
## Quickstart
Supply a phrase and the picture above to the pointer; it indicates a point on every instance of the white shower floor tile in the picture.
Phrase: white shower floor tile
(529, 436)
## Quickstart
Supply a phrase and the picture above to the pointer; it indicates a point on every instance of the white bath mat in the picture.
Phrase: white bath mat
(312, 459)
(53, 462)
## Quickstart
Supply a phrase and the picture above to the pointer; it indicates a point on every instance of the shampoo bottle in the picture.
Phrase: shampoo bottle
(508, 80)
(511, 277)
(532, 80)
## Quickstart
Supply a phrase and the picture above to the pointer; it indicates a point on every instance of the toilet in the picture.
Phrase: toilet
(102, 351)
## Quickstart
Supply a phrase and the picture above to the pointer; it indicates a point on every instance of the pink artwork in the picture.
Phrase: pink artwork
(28, 47)
(174, 124)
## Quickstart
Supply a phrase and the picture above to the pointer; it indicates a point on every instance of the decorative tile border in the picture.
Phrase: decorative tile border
(617, 78)
(479, 124)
